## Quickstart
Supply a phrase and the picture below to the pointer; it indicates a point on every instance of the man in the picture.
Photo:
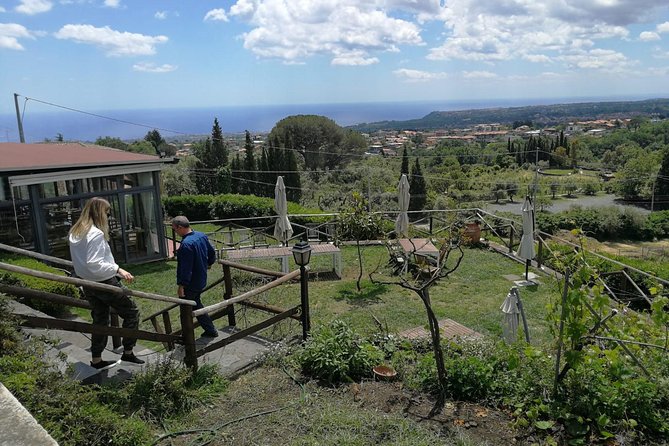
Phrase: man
(194, 257)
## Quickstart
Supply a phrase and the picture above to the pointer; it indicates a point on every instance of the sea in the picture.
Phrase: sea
(182, 123)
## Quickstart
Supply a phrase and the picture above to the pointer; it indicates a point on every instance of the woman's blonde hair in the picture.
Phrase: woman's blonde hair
(93, 214)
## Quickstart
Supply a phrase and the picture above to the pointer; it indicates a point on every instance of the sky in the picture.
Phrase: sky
(136, 54)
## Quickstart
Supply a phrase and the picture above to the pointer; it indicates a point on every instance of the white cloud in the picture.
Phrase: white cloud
(607, 60)
(10, 33)
(353, 58)
(663, 27)
(150, 67)
(112, 3)
(418, 76)
(115, 43)
(216, 15)
(348, 31)
(538, 58)
(649, 36)
(2, 9)
(32, 7)
(160, 15)
(478, 75)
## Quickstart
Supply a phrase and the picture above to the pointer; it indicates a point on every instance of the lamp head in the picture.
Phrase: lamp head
(302, 253)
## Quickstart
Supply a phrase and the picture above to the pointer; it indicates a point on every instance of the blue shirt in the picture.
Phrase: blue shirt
(194, 257)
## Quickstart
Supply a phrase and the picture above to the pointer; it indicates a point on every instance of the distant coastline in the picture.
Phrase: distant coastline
(181, 122)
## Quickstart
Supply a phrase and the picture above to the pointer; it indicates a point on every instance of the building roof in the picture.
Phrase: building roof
(60, 156)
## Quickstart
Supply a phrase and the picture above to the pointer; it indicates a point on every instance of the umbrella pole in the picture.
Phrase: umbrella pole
(527, 269)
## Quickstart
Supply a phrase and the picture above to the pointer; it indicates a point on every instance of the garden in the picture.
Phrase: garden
(324, 391)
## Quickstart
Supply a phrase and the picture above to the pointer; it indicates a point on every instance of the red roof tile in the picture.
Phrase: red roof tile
(16, 156)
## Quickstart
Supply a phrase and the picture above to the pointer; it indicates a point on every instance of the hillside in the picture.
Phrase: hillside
(538, 114)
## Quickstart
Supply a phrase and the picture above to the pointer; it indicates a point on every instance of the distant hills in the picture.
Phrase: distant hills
(542, 115)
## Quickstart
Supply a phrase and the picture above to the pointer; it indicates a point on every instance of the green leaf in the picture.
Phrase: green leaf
(544, 425)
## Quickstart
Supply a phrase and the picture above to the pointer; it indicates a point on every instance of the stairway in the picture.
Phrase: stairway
(74, 348)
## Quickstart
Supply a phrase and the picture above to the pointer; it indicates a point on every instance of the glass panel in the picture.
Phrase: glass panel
(59, 218)
(141, 231)
(14, 234)
(100, 184)
(60, 188)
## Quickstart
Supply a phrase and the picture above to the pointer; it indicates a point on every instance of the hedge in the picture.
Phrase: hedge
(232, 206)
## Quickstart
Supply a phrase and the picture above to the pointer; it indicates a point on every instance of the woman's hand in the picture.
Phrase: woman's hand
(125, 275)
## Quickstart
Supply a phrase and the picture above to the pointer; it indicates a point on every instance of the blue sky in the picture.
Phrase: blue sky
(120, 54)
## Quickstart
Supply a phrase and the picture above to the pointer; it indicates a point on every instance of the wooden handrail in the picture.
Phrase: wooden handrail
(94, 285)
(36, 255)
(248, 294)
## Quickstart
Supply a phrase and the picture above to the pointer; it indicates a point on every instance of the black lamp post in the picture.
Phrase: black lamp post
(302, 255)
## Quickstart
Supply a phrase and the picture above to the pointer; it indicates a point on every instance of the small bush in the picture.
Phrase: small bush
(70, 412)
(335, 353)
(167, 388)
(35, 283)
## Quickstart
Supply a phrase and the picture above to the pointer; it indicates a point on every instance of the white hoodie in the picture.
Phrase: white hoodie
(91, 256)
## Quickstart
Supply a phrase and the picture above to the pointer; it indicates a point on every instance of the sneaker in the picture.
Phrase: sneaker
(209, 334)
(104, 365)
(130, 357)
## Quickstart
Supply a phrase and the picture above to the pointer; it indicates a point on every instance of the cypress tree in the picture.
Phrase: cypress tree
(235, 183)
(292, 177)
(405, 163)
(249, 166)
(267, 187)
(417, 188)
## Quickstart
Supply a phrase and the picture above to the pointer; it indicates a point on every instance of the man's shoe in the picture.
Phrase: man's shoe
(130, 357)
(104, 365)
(209, 334)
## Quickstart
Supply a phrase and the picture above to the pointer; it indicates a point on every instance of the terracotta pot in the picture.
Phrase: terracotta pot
(472, 233)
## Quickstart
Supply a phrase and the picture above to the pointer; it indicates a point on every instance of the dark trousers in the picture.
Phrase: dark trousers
(204, 319)
(102, 301)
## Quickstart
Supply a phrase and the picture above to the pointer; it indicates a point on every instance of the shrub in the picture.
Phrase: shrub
(335, 353)
(70, 412)
(23, 280)
(167, 388)
(9, 331)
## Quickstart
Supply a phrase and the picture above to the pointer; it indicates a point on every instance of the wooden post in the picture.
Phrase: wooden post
(116, 340)
(227, 278)
(168, 329)
(511, 238)
(188, 336)
(430, 225)
(304, 301)
(540, 253)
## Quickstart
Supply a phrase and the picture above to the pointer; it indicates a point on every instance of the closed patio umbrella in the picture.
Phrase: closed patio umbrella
(526, 248)
(402, 222)
(511, 316)
(282, 228)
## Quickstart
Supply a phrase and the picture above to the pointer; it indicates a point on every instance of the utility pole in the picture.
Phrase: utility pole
(536, 175)
(18, 118)
(652, 195)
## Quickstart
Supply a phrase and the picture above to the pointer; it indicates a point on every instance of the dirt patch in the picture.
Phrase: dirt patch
(482, 424)
(268, 406)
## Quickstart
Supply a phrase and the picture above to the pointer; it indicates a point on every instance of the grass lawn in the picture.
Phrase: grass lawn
(471, 296)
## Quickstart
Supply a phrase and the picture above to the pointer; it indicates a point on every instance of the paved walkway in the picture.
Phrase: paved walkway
(449, 328)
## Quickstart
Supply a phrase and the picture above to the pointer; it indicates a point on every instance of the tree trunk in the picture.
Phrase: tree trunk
(438, 352)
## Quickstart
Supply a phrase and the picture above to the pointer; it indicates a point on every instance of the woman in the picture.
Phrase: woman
(93, 260)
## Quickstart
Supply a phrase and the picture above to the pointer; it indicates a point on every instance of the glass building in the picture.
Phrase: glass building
(43, 188)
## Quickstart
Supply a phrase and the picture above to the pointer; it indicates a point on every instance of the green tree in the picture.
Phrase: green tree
(662, 183)
(177, 179)
(355, 223)
(292, 176)
(235, 167)
(404, 169)
(114, 143)
(156, 140)
(249, 174)
(219, 149)
(319, 140)
(417, 188)
(555, 188)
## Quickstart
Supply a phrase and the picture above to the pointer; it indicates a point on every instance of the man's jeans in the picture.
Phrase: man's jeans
(205, 321)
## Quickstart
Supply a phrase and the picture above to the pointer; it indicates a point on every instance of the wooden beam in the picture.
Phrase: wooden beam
(251, 269)
(248, 294)
(248, 331)
(84, 327)
(91, 284)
